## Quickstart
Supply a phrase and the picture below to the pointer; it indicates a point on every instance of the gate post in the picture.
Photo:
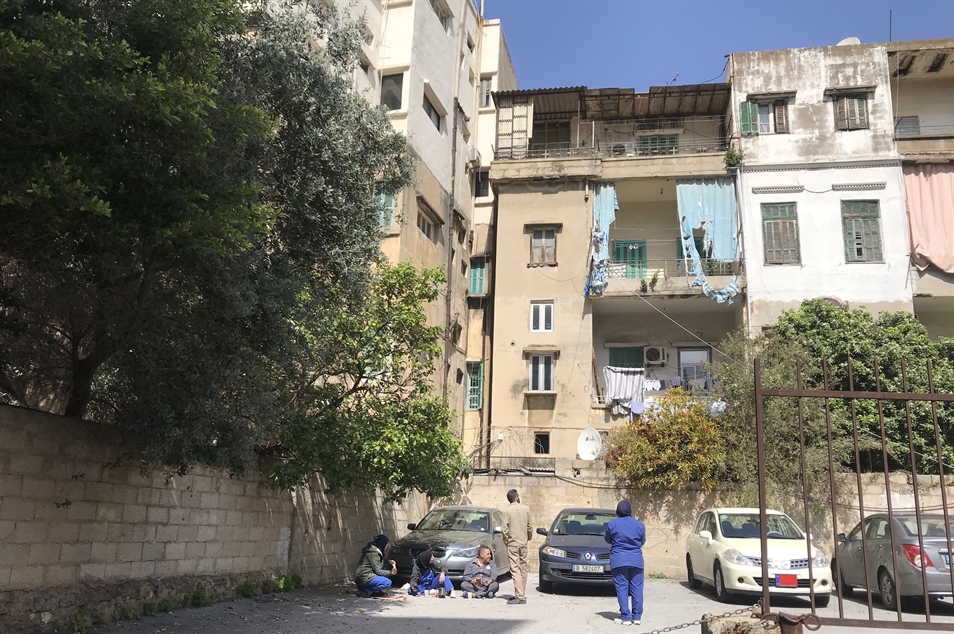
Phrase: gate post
(763, 502)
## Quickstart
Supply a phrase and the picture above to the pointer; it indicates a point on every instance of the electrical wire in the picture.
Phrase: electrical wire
(683, 327)
(722, 74)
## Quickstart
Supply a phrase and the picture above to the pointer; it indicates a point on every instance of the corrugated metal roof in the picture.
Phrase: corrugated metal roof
(550, 103)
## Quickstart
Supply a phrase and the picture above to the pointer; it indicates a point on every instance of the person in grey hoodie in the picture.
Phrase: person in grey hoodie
(371, 576)
(480, 576)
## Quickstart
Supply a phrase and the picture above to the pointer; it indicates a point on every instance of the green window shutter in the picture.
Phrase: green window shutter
(477, 278)
(626, 357)
(861, 220)
(841, 112)
(385, 203)
(857, 113)
(749, 118)
(475, 385)
(633, 254)
(679, 250)
(780, 233)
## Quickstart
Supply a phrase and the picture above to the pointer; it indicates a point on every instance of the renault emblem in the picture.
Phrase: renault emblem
(588, 556)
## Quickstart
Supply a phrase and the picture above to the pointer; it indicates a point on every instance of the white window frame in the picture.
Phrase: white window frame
(540, 313)
(543, 250)
(486, 88)
(766, 118)
(541, 369)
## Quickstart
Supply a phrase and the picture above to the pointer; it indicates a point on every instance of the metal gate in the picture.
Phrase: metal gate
(903, 558)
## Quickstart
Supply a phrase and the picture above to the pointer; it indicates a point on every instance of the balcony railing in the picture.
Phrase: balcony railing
(697, 391)
(533, 464)
(613, 149)
(667, 269)
(914, 131)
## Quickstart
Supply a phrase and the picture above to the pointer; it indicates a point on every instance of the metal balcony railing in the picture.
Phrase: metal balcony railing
(631, 148)
(667, 269)
(913, 131)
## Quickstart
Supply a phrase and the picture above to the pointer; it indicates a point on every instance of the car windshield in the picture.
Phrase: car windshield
(930, 525)
(455, 520)
(581, 523)
(742, 525)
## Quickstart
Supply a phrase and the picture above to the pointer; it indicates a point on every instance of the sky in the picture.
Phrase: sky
(643, 43)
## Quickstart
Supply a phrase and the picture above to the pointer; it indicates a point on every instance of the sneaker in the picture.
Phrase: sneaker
(622, 622)
(516, 601)
(450, 594)
(635, 621)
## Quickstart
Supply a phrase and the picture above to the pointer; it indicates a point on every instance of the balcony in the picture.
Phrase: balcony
(919, 139)
(660, 278)
(618, 149)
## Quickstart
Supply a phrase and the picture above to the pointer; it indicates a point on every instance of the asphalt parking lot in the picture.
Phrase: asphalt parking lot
(336, 610)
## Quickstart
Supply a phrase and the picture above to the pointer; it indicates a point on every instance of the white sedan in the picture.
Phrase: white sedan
(725, 551)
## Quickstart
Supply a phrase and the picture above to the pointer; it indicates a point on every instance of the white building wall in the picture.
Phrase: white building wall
(823, 271)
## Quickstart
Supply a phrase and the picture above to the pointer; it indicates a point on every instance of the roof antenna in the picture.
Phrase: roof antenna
(890, 24)
(673, 80)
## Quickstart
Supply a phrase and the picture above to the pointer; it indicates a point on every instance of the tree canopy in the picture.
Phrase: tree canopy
(186, 207)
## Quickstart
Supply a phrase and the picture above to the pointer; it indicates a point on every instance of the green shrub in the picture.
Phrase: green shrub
(269, 586)
(79, 622)
(297, 581)
(102, 618)
(166, 604)
(200, 598)
(149, 609)
(249, 589)
(658, 575)
(129, 613)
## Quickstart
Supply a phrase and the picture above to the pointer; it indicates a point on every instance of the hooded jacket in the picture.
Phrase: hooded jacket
(626, 536)
(420, 569)
(370, 565)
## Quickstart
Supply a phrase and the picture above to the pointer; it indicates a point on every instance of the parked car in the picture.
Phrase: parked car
(725, 550)
(575, 550)
(453, 533)
(849, 562)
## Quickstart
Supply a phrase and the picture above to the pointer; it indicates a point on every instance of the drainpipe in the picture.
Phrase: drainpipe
(489, 326)
(452, 222)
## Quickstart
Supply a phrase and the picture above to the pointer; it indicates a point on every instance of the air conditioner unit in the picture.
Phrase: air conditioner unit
(473, 157)
(655, 355)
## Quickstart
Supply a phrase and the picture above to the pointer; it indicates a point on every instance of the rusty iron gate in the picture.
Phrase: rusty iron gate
(903, 621)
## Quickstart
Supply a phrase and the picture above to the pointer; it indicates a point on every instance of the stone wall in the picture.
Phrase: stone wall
(80, 528)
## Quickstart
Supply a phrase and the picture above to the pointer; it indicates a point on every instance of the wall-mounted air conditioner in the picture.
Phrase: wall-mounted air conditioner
(655, 355)
(473, 157)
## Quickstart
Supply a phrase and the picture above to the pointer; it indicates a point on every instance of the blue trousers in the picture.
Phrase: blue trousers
(629, 585)
(377, 584)
(428, 582)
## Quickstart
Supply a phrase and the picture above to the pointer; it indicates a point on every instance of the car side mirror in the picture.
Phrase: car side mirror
(498, 530)
(411, 527)
(705, 535)
(542, 531)
(842, 537)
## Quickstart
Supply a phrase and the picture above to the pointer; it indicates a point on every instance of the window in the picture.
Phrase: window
(543, 247)
(626, 357)
(541, 373)
(478, 280)
(486, 83)
(470, 44)
(780, 233)
(432, 113)
(482, 184)
(441, 14)
(656, 144)
(427, 226)
(541, 443)
(861, 222)
(392, 87)
(632, 253)
(907, 126)
(692, 362)
(385, 203)
(757, 117)
(475, 384)
(551, 135)
(541, 317)
(851, 112)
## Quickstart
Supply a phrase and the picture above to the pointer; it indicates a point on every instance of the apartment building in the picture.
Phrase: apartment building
(433, 65)
(617, 247)
(922, 93)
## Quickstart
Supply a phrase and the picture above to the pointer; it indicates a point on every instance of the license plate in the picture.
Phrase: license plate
(587, 568)
(786, 581)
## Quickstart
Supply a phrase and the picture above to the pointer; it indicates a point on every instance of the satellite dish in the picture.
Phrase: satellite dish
(589, 445)
(831, 301)
(849, 41)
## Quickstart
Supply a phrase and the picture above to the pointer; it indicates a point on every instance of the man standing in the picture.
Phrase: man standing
(517, 533)
(480, 576)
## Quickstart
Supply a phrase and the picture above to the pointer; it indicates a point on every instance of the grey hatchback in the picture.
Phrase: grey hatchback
(934, 561)
(453, 533)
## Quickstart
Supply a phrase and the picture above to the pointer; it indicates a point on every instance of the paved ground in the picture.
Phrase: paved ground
(335, 610)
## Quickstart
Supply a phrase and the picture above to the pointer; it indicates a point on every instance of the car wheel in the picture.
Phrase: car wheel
(694, 583)
(822, 600)
(722, 594)
(546, 586)
(886, 590)
(846, 590)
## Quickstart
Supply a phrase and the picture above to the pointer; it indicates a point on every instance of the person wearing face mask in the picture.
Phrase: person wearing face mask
(480, 576)
(428, 576)
(626, 536)
(372, 577)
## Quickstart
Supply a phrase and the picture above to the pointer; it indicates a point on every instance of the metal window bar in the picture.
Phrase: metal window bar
(668, 269)
(852, 395)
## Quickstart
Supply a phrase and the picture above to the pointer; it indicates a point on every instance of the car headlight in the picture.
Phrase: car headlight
(467, 552)
(819, 560)
(554, 552)
(779, 564)
(735, 557)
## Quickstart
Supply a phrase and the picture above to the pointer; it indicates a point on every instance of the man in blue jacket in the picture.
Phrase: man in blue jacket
(626, 536)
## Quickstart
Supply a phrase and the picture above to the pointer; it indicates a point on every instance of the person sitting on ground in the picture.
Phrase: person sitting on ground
(426, 576)
(371, 577)
(480, 576)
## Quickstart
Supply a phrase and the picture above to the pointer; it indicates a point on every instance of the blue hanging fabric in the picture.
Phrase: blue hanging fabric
(709, 204)
(605, 206)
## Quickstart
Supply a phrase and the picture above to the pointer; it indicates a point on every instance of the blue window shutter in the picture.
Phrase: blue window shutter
(475, 385)
(385, 203)
(477, 278)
